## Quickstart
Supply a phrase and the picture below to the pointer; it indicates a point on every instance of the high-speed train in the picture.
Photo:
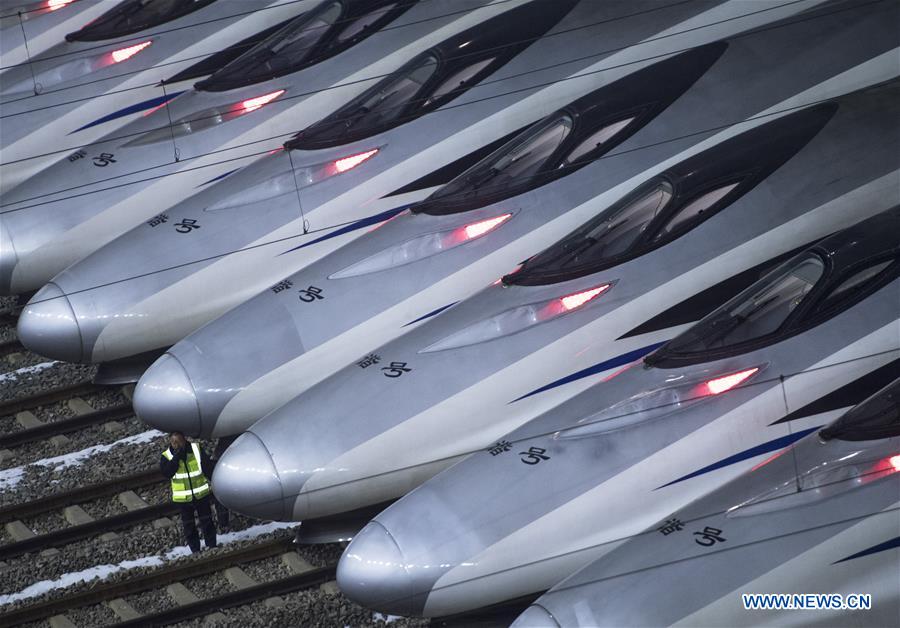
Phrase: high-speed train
(107, 71)
(820, 518)
(518, 200)
(302, 71)
(377, 286)
(619, 285)
(249, 230)
(752, 377)
(40, 23)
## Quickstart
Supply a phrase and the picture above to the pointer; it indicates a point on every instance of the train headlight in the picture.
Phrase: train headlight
(518, 319)
(202, 120)
(677, 393)
(421, 247)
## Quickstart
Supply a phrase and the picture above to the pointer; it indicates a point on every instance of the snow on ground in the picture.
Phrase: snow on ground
(11, 477)
(25, 370)
(77, 457)
(103, 571)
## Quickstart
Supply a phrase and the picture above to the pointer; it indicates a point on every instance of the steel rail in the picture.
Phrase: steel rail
(80, 495)
(65, 426)
(201, 566)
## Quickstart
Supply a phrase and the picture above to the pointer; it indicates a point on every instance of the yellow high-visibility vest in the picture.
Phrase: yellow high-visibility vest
(188, 483)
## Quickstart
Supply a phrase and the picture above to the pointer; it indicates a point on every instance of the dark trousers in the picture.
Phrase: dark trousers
(223, 517)
(189, 525)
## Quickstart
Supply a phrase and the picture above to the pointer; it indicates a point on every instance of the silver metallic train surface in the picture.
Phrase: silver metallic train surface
(754, 376)
(819, 518)
(382, 284)
(301, 72)
(248, 231)
(630, 278)
(516, 201)
(40, 23)
(107, 71)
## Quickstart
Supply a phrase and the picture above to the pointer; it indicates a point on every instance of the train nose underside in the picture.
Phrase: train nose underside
(247, 481)
(48, 325)
(165, 398)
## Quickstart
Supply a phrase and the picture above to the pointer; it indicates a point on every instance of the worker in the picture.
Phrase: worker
(188, 466)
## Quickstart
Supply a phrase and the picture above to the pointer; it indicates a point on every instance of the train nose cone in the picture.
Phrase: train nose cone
(372, 572)
(8, 260)
(48, 326)
(164, 398)
(245, 480)
(535, 617)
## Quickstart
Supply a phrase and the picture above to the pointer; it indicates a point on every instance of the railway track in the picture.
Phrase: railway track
(80, 495)
(9, 317)
(83, 527)
(304, 577)
(65, 426)
(9, 347)
(54, 395)
(203, 585)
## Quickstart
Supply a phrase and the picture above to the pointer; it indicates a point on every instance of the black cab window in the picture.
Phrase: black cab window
(755, 313)
(133, 16)
(435, 77)
(694, 209)
(281, 53)
(520, 157)
(388, 101)
(595, 142)
(368, 21)
(326, 30)
(875, 418)
(457, 81)
(853, 285)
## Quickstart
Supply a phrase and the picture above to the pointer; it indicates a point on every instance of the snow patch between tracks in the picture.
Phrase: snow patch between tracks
(103, 571)
(11, 477)
(25, 370)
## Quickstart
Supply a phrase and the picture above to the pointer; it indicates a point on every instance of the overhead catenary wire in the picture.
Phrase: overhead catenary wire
(338, 225)
(342, 224)
(379, 76)
(281, 101)
(569, 425)
(21, 11)
(203, 56)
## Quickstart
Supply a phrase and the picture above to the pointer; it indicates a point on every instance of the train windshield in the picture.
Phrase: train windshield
(323, 32)
(544, 152)
(876, 417)
(281, 53)
(133, 16)
(379, 108)
(607, 236)
(435, 77)
(518, 160)
(759, 311)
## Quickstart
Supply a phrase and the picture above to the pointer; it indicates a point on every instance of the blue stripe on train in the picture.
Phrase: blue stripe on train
(764, 448)
(141, 106)
(432, 313)
(621, 360)
(353, 226)
(881, 547)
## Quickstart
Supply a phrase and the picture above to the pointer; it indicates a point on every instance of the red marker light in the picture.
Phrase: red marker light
(578, 299)
(53, 5)
(895, 462)
(721, 384)
(480, 228)
(123, 54)
(348, 163)
(252, 104)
